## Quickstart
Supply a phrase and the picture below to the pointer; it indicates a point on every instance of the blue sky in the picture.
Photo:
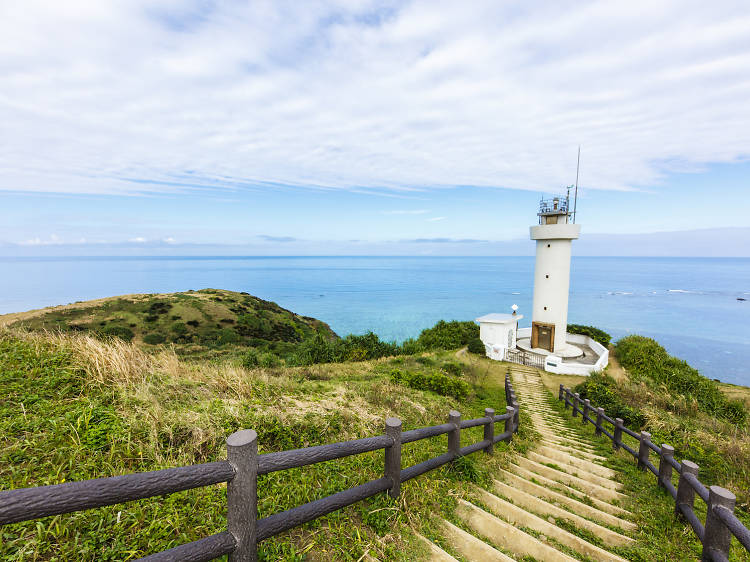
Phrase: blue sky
(367, 127)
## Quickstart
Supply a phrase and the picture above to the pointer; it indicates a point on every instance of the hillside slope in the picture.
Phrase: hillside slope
(73, 407)
(193, 321)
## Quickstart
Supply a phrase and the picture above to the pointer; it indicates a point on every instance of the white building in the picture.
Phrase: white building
(498, 333)
(546, 344)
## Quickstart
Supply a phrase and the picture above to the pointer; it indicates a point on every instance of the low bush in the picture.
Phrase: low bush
(453, 368)
(154, 338)
(602, 390)
(251, 359)
(122, 332)
(649, 362)
(477, 346)
(436, 382)
(269, 360)
(594, 333)
(448, 335)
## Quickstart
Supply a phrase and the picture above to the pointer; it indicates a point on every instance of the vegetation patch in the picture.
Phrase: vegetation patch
(603, 391)
(648, 361)
(436, 382)
(74, 407)
(594, 333)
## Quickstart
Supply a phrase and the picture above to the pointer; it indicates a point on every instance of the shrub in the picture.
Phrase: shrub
(317, 349)
(179, 328)
(448, 335)
(677, 375)
(454, 369)
(477, 346)
(154, 338)
(251, 359)
(602, 390)
(594, 333)
(121, 332)
(648, 361)
(227, 335)
(436, 382)
(411, 347)
(269, 360)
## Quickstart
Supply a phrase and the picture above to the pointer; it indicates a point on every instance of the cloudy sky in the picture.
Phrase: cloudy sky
(366, 126)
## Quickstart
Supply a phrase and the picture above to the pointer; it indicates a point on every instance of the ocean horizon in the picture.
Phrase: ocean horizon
(691, 306)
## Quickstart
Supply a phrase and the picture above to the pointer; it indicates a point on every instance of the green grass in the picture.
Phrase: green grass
(195, 321)
(61, 421)
(661, 535)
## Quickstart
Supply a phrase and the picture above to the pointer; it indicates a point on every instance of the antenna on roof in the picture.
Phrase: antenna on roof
(575, 197)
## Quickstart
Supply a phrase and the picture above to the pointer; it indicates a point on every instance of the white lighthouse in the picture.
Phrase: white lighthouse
(546, 345)
(554, 235)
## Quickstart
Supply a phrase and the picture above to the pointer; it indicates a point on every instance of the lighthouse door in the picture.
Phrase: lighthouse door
(543, 335)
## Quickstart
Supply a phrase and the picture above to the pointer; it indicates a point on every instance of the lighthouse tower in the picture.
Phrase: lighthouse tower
(553, 236)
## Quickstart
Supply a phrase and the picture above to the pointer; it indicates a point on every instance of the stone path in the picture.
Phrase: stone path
(558, 502)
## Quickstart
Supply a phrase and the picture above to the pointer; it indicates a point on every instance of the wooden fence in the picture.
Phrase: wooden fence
(241, 470)
(721, 522)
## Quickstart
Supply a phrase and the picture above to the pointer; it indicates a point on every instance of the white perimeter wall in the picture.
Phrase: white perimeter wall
(557, 366)
(554, 364)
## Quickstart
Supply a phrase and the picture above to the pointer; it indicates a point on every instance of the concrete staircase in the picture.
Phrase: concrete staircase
(558, 502)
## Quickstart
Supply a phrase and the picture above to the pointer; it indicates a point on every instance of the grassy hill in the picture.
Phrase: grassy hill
(194, 321)
(75, 406)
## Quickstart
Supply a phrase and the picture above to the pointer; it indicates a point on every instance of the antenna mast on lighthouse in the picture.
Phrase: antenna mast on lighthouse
(575, 196)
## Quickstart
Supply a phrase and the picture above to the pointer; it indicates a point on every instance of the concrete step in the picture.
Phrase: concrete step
(556, 438)
(544, 508)
(470, 547)
(436, 554)
(584, 473)
(605, 506)
(563, 435)
(506, 535)
(582, 509)
(572, 451)
(596, 468)
(569, 479)
(522, 518)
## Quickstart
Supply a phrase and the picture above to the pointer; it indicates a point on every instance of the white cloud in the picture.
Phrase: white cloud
(138, 240)
(52, 240)
(435, 219)
(123, 97)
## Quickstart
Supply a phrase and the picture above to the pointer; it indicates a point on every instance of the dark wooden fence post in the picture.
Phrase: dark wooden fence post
(393, 456)
(509, 422)
(717, 536)
(242, 494)
(644, 450)
(454, 436)
(599, 419)
(516, 415)
(575, 404)
(489, 430)
(586, 408)
(685, 492)
(566, 398)
(617, 441)
(560, 393)
(665, 469)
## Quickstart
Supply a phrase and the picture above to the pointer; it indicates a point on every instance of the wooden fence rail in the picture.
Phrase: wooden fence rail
(721, 522)
(240, 471)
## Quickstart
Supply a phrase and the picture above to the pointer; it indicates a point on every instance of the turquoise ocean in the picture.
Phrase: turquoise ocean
(691, 306)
